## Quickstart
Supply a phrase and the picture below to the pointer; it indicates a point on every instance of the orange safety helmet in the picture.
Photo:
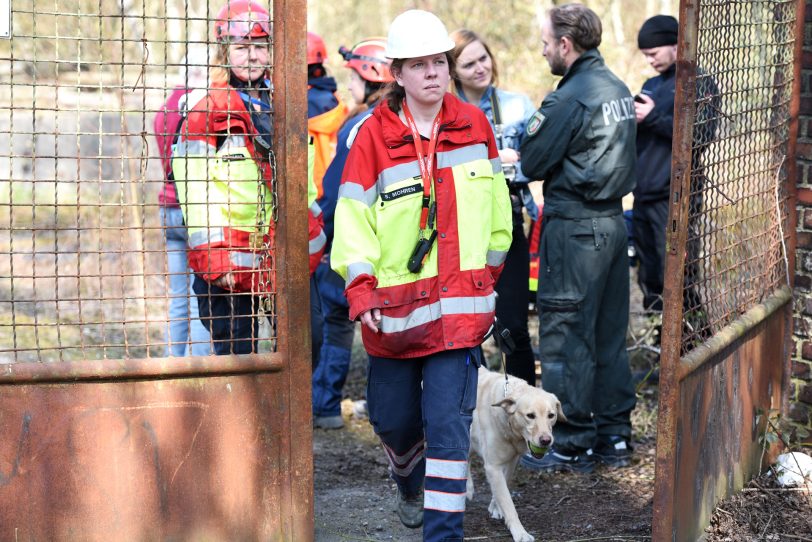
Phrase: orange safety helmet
(242, 19)
(368, 59)
(316, 50)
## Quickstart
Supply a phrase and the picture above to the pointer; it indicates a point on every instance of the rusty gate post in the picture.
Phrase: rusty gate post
(662, 523)
(714, 394)
(178, 448)
(290, 18)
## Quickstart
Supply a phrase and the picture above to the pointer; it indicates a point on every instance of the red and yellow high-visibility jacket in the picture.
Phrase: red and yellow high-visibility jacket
(224, 189)
(450, 302)
(318, 238)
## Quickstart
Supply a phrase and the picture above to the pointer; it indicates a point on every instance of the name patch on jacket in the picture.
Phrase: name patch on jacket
(232, 157)
(618, 110)
(400, 192)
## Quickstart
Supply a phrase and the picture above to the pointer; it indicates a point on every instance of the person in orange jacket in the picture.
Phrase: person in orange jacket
(369, 75)
(325, 110)
(325, 115)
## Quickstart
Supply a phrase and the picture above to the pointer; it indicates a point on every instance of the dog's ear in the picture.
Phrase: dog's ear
(508, 404)
(560, 412)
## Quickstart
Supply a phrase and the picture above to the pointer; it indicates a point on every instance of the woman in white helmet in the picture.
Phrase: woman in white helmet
(423, 224)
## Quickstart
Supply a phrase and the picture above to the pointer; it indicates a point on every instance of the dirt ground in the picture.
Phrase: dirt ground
(354, 497)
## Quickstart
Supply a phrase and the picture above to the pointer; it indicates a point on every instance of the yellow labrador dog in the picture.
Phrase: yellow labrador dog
(509, 421)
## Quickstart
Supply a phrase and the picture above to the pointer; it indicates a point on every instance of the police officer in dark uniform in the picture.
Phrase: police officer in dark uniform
(582, 143)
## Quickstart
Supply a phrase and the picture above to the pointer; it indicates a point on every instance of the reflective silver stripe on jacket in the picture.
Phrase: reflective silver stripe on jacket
(355, 270)
(206, 236)
(244, 259)
(234, 141)
(418, 317)
(192, 147)
(496, 164)
(398, 173)
(468, 305)
(356, 192)
(446, 468)
(444, 502)
(462, 155)
(429, 313)
(495, 257)
(318, 243)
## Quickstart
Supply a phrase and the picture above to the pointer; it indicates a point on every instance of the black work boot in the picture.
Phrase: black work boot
(410, 509)
(613, 451)
(558, 460)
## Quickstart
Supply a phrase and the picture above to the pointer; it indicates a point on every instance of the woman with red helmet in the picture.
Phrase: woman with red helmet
(325, 110)
(223, 173)
(369, 73)
(325, 113)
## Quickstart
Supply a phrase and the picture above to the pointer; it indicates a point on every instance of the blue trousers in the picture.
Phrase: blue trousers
(316, 322)
(333, 361)
(422, 409)
(185, 334)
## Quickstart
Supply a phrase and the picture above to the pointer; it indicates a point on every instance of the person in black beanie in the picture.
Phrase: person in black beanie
(654, 110)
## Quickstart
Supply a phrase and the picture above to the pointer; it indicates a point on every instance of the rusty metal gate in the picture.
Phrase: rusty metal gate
(106, 431)
(730, 245)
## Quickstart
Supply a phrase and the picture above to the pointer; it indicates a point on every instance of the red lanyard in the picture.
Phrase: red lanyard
(426, 162)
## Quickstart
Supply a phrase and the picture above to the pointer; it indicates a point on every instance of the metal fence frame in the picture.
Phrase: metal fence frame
(715, 396)
(57, 424)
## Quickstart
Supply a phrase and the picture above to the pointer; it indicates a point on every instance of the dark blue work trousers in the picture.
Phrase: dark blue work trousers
(332, 361)
(511, 306)
(230, 318)
(422, 410)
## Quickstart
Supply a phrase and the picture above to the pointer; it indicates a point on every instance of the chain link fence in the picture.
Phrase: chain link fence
(86, 270)
(738, 202)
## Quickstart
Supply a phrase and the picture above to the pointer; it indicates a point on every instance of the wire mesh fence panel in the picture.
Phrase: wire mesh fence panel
(95, 243)
(738, 202)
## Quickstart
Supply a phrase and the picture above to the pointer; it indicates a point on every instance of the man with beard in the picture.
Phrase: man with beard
(581, 142)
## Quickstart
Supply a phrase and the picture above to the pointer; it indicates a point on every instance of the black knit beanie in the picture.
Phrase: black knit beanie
(658, 31)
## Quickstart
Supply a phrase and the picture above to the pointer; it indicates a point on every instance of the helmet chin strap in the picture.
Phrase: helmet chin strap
(236, 82)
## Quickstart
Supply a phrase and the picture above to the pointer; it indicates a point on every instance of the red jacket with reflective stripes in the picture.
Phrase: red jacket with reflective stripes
(221, 180)
(450, 302)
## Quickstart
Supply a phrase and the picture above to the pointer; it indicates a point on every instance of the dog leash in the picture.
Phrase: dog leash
(506, 346)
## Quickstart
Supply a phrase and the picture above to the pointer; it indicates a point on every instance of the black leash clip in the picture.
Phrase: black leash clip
(503, 339)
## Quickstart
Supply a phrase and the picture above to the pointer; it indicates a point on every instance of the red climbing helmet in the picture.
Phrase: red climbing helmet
(242, 19)
(368, 59)
(316, 50)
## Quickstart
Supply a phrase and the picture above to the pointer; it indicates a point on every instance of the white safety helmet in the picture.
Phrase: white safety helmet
(417, 33)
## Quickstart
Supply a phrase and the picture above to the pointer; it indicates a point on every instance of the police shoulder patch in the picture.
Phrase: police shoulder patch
(534, 123)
